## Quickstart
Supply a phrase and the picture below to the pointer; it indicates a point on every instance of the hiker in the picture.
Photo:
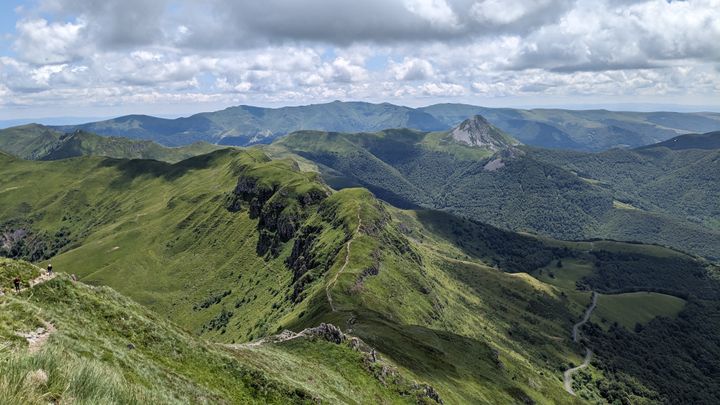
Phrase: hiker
(17, 283)
(49, 269)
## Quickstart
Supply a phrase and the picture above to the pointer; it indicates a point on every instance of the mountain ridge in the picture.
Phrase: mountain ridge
(587, 130)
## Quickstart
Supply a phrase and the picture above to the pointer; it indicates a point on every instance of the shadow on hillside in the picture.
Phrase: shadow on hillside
(510, 251)
(134, 168)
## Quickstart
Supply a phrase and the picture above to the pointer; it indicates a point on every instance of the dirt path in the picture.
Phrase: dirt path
(331, 284)
(282, 337)
(568, 374)
(37, 338)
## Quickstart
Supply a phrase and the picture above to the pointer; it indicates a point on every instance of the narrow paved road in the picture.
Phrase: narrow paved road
(568, 374)
(331, 284)
(586, 317)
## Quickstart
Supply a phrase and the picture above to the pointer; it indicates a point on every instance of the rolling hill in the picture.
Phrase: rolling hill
(650, 195)
(38, 142)
(588, 130)
(234, 246)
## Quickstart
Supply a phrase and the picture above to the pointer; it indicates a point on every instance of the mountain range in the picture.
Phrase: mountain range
(588, 130)
(234, 246)
(446, 265)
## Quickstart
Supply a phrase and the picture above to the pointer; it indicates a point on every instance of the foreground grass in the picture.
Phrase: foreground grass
(107, 349)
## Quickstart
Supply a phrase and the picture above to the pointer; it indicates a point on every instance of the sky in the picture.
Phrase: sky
(88, 58)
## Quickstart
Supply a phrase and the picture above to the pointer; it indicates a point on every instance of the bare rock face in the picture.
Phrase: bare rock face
(326, 331)
(478, 132)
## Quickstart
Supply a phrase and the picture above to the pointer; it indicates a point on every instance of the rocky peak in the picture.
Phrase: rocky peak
(478, 132)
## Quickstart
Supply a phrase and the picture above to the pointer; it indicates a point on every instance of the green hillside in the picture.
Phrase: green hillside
(658, 181)
(100, 347)
(233, 247)
(562, 194)
(37, 142)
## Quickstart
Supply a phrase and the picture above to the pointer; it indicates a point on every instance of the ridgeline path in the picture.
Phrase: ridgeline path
(37, 338)
(567, 375)
(347, 260)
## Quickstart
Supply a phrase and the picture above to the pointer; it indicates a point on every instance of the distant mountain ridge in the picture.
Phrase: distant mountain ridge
(247, 125)
(38, 142)
(584, 130)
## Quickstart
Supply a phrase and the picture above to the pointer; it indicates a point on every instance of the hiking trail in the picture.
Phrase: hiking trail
(36, 339)
(347, 260)
(568, 374)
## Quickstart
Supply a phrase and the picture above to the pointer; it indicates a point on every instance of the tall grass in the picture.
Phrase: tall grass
(54, 376)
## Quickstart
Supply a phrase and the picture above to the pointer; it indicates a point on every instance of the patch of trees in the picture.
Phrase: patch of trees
(626, 272)
(671, 361)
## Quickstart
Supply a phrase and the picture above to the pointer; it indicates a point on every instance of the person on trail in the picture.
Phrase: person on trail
(49, 269)
(16, 283)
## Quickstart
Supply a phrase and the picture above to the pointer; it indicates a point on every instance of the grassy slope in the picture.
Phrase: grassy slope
(37, 142)
(87, 359)
(421, 286)
(161, 233)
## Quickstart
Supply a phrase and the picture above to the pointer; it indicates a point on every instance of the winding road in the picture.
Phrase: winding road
(568, 374)
(347, 259)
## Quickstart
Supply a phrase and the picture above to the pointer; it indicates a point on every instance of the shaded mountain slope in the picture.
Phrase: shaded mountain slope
(710, 140)
(650, 195)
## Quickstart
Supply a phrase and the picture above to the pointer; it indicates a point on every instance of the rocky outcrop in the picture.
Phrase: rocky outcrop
(387, 374)
(279, 210)
(478, 132)
(326, 331)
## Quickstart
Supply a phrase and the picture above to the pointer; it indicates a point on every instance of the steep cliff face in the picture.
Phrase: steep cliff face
(280, 207)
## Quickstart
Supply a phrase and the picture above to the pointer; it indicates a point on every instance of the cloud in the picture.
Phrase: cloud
(594, 37)
(412, 69)
(75, 53)
(41, 42)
